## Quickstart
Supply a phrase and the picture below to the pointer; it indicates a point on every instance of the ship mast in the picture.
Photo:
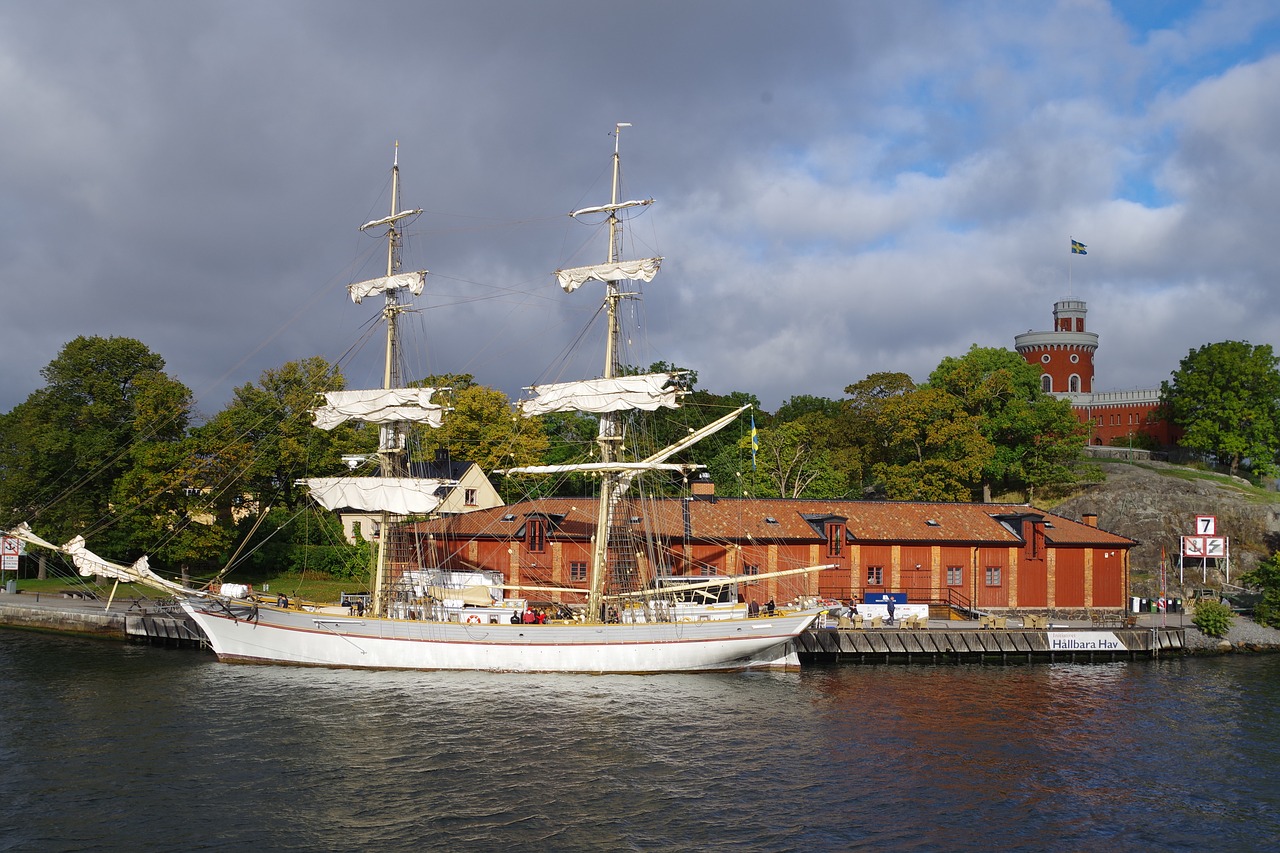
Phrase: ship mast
(609, 437)
(391, 444)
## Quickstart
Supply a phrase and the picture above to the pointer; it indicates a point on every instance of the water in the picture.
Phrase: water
(105, 746)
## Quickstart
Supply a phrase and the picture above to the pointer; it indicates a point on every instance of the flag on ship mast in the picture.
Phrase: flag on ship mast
(755, 441)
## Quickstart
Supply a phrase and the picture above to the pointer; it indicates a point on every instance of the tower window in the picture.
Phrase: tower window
(1044, 359)
(1073, 384)
(1046, 383)
(1074, 358)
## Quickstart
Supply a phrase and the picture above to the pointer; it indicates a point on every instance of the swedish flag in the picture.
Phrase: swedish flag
(1077, 248)
(755, 441)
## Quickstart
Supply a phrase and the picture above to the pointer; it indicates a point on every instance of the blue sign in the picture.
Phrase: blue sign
(885, 597)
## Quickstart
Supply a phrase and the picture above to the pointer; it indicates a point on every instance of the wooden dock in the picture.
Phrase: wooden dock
(974, 644)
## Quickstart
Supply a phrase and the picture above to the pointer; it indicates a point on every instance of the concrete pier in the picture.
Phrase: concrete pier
(129, 619)
(957, 641)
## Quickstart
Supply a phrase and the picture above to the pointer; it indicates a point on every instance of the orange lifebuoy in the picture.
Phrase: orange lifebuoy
(473, 619)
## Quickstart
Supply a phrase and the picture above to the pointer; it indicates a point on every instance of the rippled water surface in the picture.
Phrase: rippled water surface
(105, 746)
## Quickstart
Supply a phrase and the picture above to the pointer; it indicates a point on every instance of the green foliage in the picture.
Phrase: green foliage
(1213, 618)
(1136, 440)
(482, 427)
(932, 449)
(1226, 398)
(1266, 579)
(310, 543)
(1036, 437)
(264, 440)
(802, 405)
(791, 464)
(63, 450)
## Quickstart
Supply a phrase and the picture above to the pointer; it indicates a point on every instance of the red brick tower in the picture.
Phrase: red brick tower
(1065, 355)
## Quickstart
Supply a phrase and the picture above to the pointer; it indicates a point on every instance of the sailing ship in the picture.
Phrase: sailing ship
(442, 617)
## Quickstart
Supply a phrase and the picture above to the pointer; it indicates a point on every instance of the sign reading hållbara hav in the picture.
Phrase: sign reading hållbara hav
(1084, 641)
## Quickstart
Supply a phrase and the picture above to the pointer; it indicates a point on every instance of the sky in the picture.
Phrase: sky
(841, 188)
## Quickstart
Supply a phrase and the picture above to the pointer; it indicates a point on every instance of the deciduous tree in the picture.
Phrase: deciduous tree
(1226, 399)
(1036, 439)
(64, 448)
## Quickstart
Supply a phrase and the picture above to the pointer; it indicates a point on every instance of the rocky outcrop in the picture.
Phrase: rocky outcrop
(1156, 503)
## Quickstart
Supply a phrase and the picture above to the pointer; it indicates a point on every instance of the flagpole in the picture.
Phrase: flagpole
(1070, 264)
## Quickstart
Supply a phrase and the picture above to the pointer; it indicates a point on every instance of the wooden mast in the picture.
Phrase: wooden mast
(391, 444)
(609, 436)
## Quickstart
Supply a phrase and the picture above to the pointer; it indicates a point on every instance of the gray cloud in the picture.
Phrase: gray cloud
(842, 188)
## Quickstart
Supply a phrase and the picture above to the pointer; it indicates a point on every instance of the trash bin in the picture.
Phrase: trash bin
(1135, 604)
(1144, 604)
(1155, 605)
(11, 586)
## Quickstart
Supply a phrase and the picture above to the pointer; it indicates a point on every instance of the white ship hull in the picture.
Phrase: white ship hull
(270, 635)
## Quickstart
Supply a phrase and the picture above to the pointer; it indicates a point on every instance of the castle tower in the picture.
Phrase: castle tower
(1065, 355)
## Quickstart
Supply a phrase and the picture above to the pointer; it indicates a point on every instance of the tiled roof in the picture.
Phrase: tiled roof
(765, 520)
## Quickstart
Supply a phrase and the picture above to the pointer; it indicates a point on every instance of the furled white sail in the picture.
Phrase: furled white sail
(415, 281)
(397, 495)
(645, 391)
(394, 405)
(24, 532)
(89, 563)
(642, 270)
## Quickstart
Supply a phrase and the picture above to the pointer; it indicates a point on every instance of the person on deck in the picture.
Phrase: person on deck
(889, 606)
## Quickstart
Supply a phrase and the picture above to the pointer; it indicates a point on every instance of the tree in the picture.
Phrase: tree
(62, 450)
(482, 426)
(933, 449)
(265, 440)
(1226, 399)
(790, 464)
(1266, 579)
(1036, 438)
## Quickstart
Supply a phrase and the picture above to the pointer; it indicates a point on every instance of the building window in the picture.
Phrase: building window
(751, 569)
(955, 576)
(1046, 383)
(993, 576)
(835, 540)
(875, 576)
(1044, 359)
(1074, 358)
(577, 571)
(537, 535)
(1073, 384)
(469, 497)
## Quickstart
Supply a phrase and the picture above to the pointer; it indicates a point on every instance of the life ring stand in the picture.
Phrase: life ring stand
(473, 619)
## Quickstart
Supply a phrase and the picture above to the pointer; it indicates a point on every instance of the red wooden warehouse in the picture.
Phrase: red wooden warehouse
(990, 557)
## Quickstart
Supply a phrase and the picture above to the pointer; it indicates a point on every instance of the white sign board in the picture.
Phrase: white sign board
(1206, 525)
(1193, 546)
(1215, 546)
(1084, 641)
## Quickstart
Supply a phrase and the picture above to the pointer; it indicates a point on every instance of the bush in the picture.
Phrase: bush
(1267, 611)
(1213, 618)
(1266, 579)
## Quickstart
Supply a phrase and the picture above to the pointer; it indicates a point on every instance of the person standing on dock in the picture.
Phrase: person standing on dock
(890, 608)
